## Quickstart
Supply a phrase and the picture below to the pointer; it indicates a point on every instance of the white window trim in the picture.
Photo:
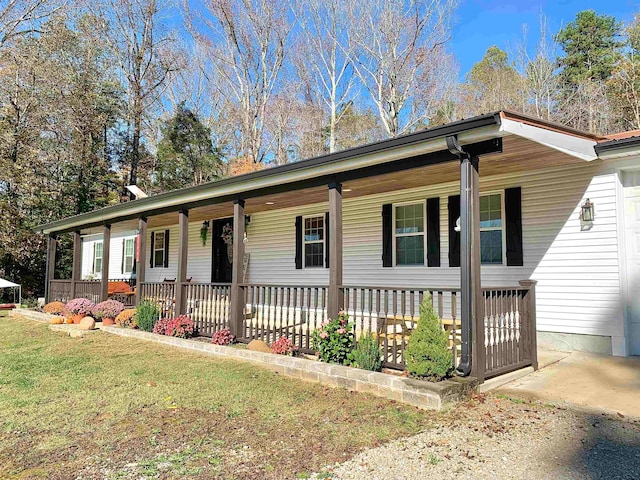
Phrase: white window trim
(424, 232)
(133, 255)
(323, 241)
(502, 229)
(155, 248)
(95, 257)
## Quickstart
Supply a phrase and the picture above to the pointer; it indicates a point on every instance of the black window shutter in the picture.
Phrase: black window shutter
(166, 248)
(513, 224)
(326, 239)
(122, 262)
(454, 237)
(433, 232)
(298, 242)
(387, 235)
(153, 241)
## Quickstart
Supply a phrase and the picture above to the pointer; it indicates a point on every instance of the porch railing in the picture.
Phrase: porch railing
(59, 290)
(391, 314)
(274, 311)
(89, 289)
(163, 294)
(509, 329)
(208, 305)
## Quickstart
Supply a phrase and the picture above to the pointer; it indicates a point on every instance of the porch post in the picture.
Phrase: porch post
(183, 245)
(237, 292)
(50, 266)
(77, 262)
(141, 262)
(531, 340)
(336, 294)
(106, 247)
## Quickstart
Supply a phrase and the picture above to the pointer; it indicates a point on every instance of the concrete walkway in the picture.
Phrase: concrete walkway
(592, 382)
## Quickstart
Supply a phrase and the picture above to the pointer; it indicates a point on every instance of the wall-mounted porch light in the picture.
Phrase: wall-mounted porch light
(587, 214)
(204, 232)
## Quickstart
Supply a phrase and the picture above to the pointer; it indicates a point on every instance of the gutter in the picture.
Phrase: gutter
(432, 140)
(624, 147)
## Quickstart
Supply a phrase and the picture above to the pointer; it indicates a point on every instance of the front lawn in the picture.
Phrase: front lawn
(111, 407)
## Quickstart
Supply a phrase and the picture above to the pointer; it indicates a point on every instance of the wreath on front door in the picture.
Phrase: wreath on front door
(227, 238)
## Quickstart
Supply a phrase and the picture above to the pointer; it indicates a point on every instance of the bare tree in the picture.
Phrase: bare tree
(19, 17)
(326, 53)
(145, 55)
(246, 41)
(540, 69)
(396, 41)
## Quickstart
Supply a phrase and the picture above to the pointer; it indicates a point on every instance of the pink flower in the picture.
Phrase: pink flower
(324, 335)
(342, 330)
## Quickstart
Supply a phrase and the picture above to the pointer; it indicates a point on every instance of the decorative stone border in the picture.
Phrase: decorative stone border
(421, 394)
(418, 393)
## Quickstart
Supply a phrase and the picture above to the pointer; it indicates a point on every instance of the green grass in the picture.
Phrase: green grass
(111, 407)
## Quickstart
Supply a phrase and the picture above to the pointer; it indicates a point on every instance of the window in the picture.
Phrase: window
(491, 229)
(409, 234)
(129, 253)
(97, 257)
(158, 249)
(314, 241)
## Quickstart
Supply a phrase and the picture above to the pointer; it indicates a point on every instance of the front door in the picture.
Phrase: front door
(221, 249)
(631, 182)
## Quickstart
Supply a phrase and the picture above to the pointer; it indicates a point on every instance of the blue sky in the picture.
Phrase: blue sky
(482, 23)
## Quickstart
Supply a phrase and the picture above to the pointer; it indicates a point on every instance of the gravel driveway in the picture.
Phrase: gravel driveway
(493, 437)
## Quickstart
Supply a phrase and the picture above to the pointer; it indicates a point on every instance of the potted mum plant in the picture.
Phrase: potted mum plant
(107, 311)
(79, 307)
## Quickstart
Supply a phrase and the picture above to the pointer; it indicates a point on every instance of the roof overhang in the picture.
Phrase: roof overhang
(619, 148)
(425, 147)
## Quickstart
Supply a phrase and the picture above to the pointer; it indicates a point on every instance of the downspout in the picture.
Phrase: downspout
(464, 367)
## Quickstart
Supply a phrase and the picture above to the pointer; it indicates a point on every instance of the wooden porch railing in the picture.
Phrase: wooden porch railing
(163, 294)
(89, 289)
(391, 314)
(208, 305)
(274, 311)
(59, 290)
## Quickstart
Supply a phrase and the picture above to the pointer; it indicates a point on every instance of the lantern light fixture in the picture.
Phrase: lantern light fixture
(587, 213)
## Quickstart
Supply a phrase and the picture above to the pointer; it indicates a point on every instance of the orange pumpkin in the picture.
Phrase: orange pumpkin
(56, 321)
(69, 320)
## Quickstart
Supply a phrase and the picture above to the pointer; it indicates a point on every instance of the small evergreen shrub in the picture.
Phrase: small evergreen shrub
(222, 337)
(284, 346)
(147, 314)
(334, 340)
(367, 353)
(427, 355)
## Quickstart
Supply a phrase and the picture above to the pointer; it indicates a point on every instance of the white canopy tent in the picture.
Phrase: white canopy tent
(7, 284)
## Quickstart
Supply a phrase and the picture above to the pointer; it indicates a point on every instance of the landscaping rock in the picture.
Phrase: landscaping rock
(258, 346)
(87, 323)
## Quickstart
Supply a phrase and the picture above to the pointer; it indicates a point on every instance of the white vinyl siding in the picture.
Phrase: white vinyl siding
(115, 255)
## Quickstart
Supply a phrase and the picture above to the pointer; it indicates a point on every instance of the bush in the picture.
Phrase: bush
(127, 318)
(334, 340)
(284, 346)
(367, 353)
(182, 327)
(222, 337)
(427, 355)
(108, 309)
(54, 308)
(147, 314)
(80, 306)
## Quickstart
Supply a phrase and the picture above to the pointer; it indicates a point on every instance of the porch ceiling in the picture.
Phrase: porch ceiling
(519, 155)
